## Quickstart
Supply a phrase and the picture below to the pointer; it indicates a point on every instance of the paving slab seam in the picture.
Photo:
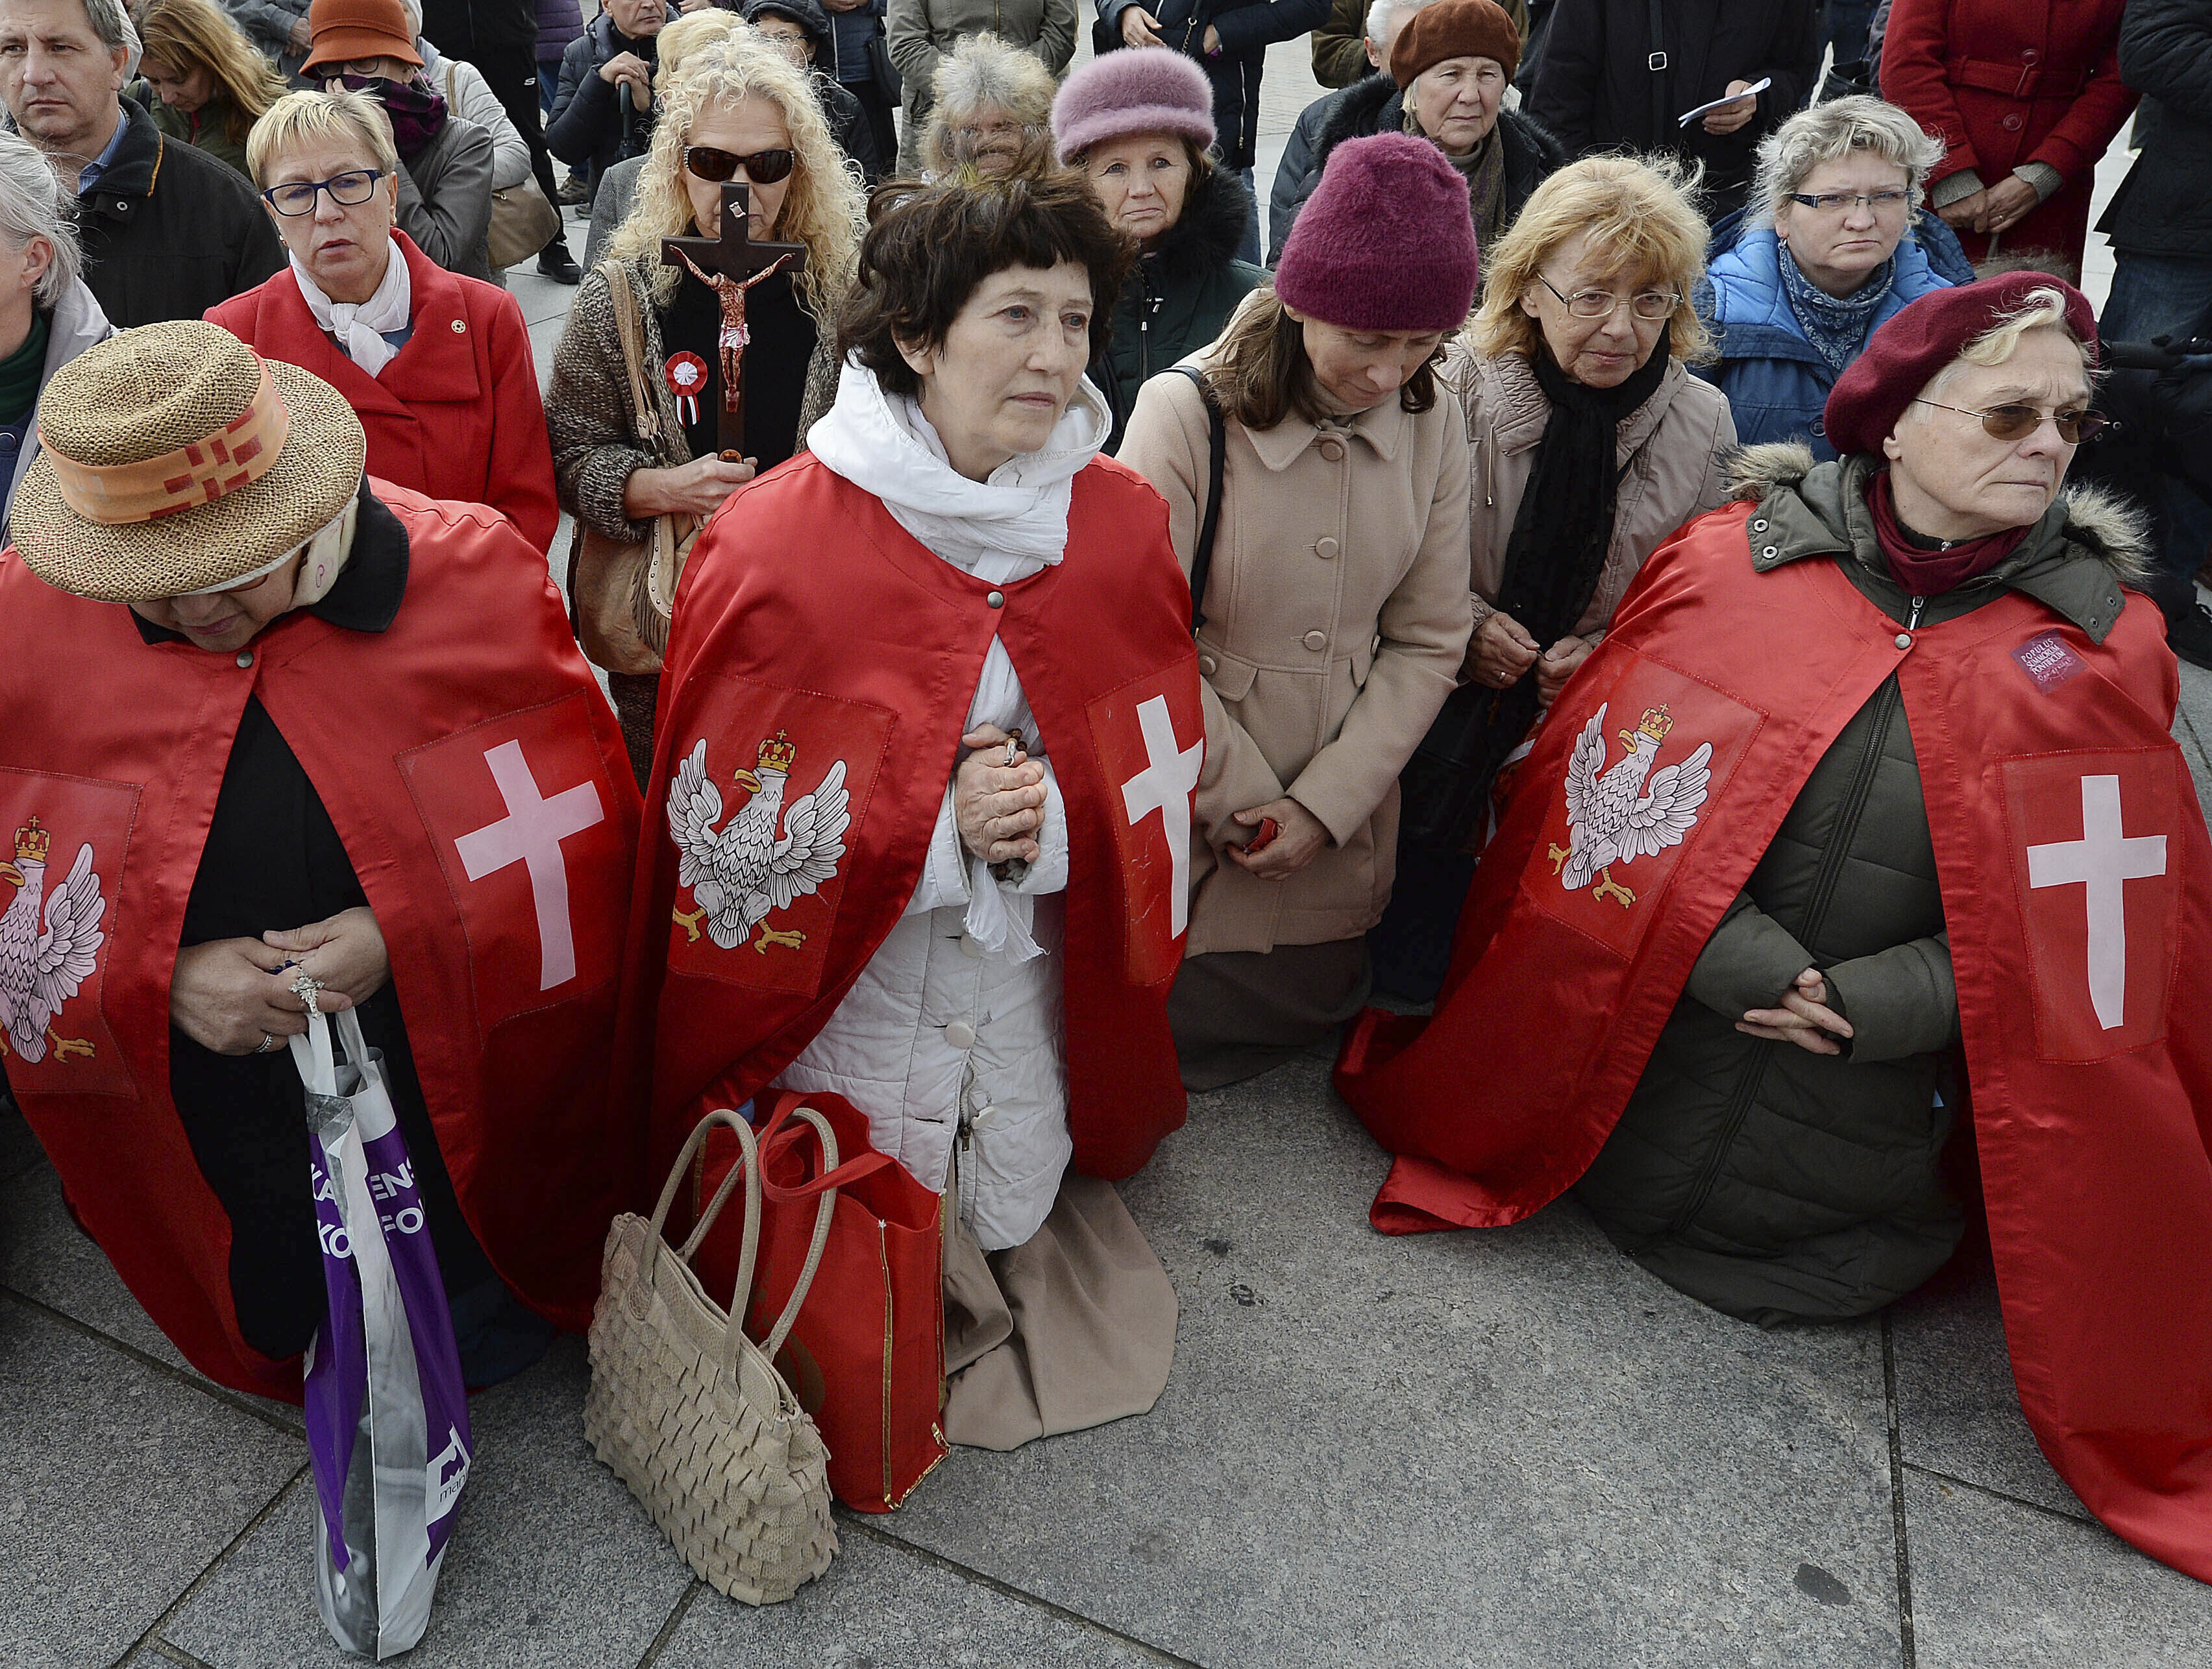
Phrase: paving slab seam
(677, 1613)
(1907, 1650)
(983, 1579)
(152, 1637)
(206, 1387)
(2059, 1513)
(176, 1654)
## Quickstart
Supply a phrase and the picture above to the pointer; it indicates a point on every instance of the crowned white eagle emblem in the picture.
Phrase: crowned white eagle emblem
(42, 966)
(741, 873)
(1613, 815)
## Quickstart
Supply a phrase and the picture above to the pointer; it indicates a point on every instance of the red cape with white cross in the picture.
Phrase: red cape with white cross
(819, 667)
(477, 777)
(2077, 895)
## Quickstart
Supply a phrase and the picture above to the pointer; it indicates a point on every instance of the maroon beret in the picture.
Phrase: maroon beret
(1455, 28)
(1919, 340)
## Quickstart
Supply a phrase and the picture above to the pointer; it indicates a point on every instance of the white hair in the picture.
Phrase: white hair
(33, 205)
(2040, 309)
(1378, 23)
(1828, 133)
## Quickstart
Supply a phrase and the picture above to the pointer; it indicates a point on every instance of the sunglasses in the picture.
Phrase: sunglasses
(718, 167)
(2017, 423)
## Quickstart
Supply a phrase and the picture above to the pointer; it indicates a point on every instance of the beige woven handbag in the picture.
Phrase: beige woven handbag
(689, 1412)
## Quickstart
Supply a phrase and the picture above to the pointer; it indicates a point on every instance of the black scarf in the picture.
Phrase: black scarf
(1561, 534)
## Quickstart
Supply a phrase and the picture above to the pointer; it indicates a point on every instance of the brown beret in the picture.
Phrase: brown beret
(1455, 28)
(1919, 340)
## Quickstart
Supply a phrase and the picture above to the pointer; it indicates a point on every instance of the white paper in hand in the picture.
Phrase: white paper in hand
(1707, 109)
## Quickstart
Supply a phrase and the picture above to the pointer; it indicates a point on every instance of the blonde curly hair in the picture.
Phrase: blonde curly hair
(823, 205)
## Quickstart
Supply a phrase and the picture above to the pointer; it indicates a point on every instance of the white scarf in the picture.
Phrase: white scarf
(1001, 530)
(360, 326)
(883, 444)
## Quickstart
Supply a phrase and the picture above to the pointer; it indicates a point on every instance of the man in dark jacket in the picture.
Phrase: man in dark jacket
(803, 29)
(2161, 225)
(860, 61)
(500, 37)
(1605, 82)
(1443, 37)
(602, 109)
(1229, 39)
(169, 232)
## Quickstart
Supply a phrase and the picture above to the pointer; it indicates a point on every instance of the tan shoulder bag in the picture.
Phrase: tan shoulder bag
(522, 220)
(691, 1413)
(625, 590)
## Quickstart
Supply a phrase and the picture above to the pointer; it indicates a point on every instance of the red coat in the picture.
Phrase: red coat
(865, 656)
(118, 747)
(456, 414)
(2066, 840)
(2003, 82)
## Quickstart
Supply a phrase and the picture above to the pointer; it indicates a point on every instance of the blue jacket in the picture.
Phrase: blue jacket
(1775, 380)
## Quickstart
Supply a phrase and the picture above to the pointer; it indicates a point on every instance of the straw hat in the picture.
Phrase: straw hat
(172, 458)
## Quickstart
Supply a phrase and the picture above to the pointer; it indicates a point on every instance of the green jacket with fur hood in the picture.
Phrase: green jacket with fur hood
(1775, 1184)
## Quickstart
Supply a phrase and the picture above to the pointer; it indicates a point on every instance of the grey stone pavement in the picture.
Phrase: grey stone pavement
(1509, 1448)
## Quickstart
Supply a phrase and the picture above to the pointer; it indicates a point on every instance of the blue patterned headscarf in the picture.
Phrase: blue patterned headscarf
(1837, 326)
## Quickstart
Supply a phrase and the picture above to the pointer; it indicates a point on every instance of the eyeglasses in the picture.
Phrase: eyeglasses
(762, 168)
(2017, 423)
(348, 190)
(1646, 305)
(1836, 203)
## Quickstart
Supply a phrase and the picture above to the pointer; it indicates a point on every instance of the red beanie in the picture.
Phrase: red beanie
(1455, 28)
(1919, 340)
(1385, 243)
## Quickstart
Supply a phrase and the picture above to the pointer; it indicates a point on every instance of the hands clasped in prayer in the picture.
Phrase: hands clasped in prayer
(231, 995)
(998, 797)
(1803, 1018)
(1503, 651)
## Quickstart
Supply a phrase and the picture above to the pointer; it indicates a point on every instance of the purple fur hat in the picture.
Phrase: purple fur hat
(1385, 243)
(1124, 94)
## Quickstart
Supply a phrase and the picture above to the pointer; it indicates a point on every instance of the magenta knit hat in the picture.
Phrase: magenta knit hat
(1124, 94)
(1385, 243)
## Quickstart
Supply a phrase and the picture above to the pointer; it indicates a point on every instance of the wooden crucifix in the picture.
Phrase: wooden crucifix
(730, 265)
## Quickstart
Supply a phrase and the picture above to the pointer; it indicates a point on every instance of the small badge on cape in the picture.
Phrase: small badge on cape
(687, 377)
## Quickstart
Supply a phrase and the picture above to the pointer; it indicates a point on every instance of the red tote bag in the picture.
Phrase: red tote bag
(866, 1357)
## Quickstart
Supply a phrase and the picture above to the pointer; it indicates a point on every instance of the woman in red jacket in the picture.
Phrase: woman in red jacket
(2024, 94)
(437, 365)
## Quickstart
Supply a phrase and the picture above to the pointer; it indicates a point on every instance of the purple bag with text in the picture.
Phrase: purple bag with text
(387, 1416)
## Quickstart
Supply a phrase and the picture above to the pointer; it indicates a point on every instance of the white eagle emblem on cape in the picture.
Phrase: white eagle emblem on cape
(41, 967)
(1613, 817)
(743, 871)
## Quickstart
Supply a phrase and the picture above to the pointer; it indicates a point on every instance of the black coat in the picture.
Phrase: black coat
(595, 123)
(1248, 28)
(474, 30)
(1377, 106)
(2164, 206)
(169, 232)
(1594, 87)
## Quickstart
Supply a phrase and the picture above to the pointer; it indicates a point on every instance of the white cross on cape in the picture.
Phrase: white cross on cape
(2102, 862)
(531, 834)
(1163, 785)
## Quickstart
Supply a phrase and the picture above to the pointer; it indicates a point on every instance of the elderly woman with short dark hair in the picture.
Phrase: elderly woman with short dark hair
(1833, 244)
(976, 698)
(47, 315)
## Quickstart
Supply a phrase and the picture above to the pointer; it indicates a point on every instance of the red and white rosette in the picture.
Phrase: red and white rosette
(687, 377)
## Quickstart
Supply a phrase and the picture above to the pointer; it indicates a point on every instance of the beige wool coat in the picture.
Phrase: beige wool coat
(1337, 616)
(1671, 444)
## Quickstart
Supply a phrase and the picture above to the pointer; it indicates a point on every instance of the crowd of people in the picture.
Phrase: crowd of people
(1614, 567)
